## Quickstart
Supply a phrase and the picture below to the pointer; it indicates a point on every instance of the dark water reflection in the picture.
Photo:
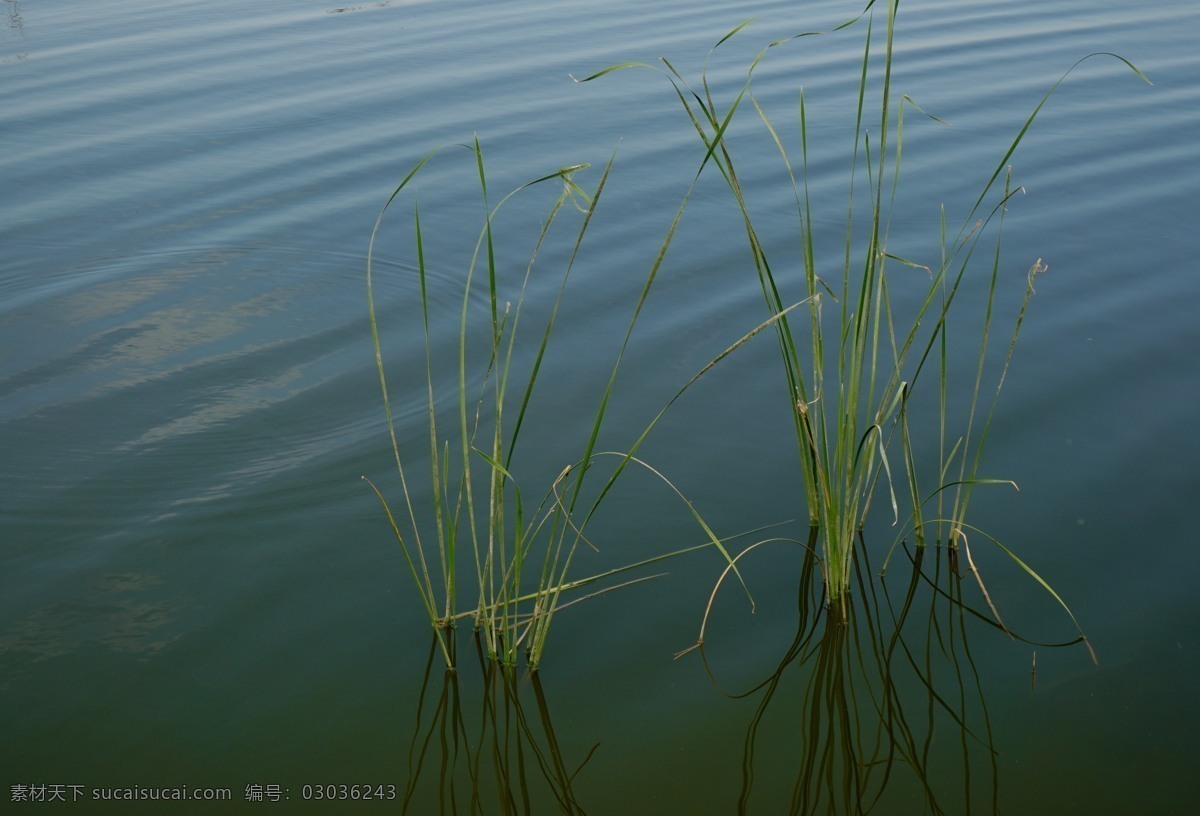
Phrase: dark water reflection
(496, 752)
(883, 711)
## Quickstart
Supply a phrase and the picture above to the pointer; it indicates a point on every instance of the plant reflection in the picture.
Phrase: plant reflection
(497, 758)
(881, 711)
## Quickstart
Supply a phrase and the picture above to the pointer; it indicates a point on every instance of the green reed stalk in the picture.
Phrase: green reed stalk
(851, 406)
(839, 460)
(522, 556)
(493, 524)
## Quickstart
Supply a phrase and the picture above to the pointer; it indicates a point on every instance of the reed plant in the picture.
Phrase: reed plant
(851, 358)
(469, 506)
(851, 353)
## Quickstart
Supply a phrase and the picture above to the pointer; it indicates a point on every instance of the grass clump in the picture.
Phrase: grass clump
(470, 507)
(473, 508)
(852, 356)
(857, 328)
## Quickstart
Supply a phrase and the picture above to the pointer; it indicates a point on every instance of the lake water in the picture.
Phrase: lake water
(199, 590)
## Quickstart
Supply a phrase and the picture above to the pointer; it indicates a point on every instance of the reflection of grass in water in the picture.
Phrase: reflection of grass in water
(882, 711)
(890, 706)
(501, 758)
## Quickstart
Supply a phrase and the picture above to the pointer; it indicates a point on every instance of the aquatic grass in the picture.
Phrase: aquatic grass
(839, 476)
(851, 372)
(475, 503)
(522, 554)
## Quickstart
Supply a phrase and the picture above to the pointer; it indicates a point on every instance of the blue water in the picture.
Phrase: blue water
(197, 587)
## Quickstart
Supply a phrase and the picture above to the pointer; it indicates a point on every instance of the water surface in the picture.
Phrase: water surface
(198, 589)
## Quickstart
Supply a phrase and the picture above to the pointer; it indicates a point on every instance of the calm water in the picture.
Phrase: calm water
(197, 587)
